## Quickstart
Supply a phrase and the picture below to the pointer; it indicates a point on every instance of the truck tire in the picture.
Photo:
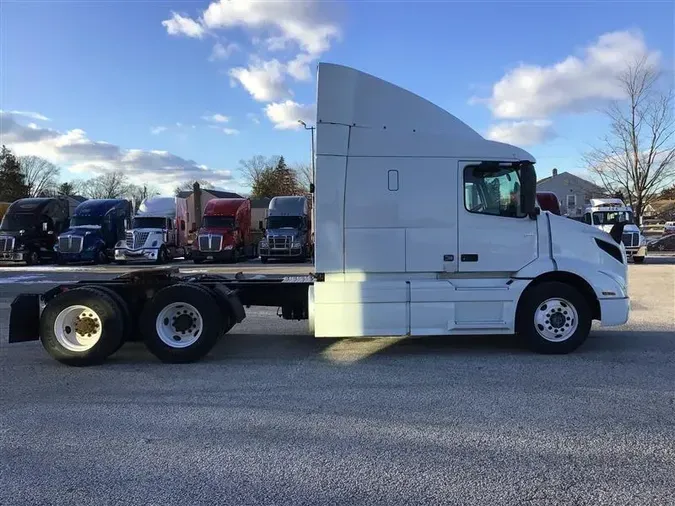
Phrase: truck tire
(162, 256)
(128, 333)
(32, 257)
(198, 260)
(638, 260)
(553, 318)
(181, 323)
(81, 327)
(100, 257)
(263, 260)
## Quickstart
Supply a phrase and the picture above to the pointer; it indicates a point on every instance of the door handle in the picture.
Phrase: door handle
(471, 257)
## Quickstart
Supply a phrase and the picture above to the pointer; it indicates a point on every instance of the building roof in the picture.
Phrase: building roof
(221, 194)
(570, 176)
(77, 198)
(183, 194)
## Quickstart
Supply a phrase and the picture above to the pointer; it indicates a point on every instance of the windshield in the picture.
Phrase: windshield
(16, 222)
(612, 217)
(141, 222)
(80, 221)
(274, 222)
(218, 222)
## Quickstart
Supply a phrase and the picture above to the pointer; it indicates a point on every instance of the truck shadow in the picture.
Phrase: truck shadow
(603, 345)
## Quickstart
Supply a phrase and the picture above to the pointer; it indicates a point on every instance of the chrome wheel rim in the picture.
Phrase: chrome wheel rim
(179, 325)
(556, 320)
(78, 328)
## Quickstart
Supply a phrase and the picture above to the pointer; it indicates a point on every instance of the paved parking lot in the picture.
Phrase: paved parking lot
(274, 416)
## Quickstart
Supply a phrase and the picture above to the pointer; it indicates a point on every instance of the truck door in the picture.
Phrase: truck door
(495, 235)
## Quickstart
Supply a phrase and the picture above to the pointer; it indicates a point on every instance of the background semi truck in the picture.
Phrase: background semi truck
(29, 229)
(288, 230)
(225, 232)
(95, 227)
(605, 213)
(158, 232)
(423, 227)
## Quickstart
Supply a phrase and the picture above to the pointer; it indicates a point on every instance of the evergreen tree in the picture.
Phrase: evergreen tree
(12, 182)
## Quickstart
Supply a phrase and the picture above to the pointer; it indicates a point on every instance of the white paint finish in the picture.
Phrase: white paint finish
(361, 293)
(614, 312)
(361, 320)
(427, 247)
(393, 121)
(503, 244)
(332, 140)
(328, 241)
(374, 250)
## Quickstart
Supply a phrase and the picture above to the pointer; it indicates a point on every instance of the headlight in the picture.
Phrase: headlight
(296, 244)
(263, 244)
(229, 246)
(120, 244)
(643, 240)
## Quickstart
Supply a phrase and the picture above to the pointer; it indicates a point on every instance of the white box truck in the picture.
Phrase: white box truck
(158, 232)
(605, 213)
(423, 227)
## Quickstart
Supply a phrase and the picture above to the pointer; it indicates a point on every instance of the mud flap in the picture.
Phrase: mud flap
(229, 299)
(24, 318)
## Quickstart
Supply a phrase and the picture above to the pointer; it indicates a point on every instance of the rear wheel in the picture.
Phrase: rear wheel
(124, 311)
(553, 318)
(32, 258)
(181, 323)
(638, 260)
(81, 326)
(100, 257)
(263, 260)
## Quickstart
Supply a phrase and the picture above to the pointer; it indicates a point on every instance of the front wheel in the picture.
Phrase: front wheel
(162, 256)
(32, 258)
(100, 257)
(553, 318)
(263, 260)
(638, 260)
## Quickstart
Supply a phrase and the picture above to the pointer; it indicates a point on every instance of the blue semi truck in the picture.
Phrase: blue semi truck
(95, 227)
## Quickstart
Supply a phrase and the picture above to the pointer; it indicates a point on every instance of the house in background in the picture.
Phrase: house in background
(197, 199)
(660, 210)
(259, 210)
(74, 201)
(573, 192)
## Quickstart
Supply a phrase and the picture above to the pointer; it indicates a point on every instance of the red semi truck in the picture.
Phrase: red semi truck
(225, 232)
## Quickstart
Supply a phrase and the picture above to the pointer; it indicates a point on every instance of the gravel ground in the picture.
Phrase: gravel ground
(273, 416)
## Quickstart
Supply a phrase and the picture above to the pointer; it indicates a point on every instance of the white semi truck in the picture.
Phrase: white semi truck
(423, 227)
(605, 213)
(158, 232)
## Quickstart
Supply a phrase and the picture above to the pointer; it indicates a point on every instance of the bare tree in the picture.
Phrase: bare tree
(637, 157)
(253, 169)
(188, 185)
(304, 175)
(113, 185)
(40, 175)
(138, 193)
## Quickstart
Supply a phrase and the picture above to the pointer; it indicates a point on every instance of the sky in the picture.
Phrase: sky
(168, 91)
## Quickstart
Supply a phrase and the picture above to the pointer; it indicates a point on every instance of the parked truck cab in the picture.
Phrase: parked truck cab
(95, 227)
(225, 232)
(287, 231)
(603, 214)
(29, 229)
(158, 232)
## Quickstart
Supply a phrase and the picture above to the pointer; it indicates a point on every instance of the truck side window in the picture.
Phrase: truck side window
(495, 192)
(587, 218)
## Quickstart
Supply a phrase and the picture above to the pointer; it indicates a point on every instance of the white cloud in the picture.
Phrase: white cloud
(81, 154)
(221, 51)
(27, 114)
(522, 133)
(289, 21)
(575, 84)
(183, 25)
(157, 130)
(230, 131)
(216, 118)
(264, 80)
(299, 67)
(285, 115)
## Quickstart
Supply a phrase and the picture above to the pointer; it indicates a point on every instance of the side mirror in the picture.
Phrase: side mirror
(311, 187)
(528, 190)
(45, 226)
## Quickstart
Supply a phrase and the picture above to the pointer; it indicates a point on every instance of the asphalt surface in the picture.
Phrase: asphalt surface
(273, 416)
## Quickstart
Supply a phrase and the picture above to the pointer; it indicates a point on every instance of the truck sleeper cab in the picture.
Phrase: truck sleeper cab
(423, 227)
(96, 226)
(287, 232)
(603, 214)
(225, 231)
(158, 232)
(29, 229)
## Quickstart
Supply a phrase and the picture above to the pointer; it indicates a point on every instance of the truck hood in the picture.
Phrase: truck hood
(82, 231)
(282, 232)
(629, 228)
(227, 233)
